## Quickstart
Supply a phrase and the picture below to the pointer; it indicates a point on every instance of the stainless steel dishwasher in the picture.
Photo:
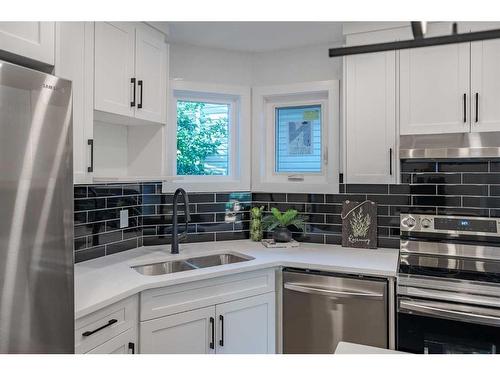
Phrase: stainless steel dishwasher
(320, 309)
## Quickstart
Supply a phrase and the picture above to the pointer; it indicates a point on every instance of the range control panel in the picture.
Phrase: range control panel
(450, 224)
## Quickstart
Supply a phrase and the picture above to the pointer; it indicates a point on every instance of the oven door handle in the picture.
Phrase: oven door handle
(330, 292)
(442, 311)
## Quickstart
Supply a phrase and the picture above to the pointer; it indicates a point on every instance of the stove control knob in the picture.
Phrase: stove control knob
(426, 223)
(409, 222)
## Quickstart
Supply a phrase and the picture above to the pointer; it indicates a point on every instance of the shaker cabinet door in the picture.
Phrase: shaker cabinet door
(485, 85)
(435, 89)
(34, 40)
(114, 67)
(190, 332)
(151, 65)
(370, 132)
(75, 61)
(247, 326)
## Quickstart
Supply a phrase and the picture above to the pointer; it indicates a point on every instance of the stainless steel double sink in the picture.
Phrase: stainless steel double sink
(180, 265)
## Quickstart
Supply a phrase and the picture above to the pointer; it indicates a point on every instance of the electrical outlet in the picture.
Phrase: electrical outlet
(123, 218)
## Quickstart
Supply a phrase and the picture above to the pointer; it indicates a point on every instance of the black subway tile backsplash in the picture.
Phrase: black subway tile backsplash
(490, 202)
(340, 198)
(462, 190)
(419, 166)
(494, 166)
(436, 200)
(463, 166)
(437, 178)
(367, 189)
(268, 197)
(444, 187)
(481, 178)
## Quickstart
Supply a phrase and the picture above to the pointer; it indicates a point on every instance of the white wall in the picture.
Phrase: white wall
(213, 65)
(303, 64)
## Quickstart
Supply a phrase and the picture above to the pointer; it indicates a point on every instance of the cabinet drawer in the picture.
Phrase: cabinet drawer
(97, 328)
(189, 296)
(124, 343)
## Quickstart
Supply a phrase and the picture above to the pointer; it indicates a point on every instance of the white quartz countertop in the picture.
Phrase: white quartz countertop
(350, 348)
(102, 281)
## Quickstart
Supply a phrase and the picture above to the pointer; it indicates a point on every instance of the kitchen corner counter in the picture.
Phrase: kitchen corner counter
(103, 281)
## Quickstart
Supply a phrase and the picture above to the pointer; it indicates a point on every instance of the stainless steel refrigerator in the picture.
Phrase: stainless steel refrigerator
(36, 217)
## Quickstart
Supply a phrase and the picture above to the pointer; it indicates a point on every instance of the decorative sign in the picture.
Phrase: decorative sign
(359, 224)
(300, 138)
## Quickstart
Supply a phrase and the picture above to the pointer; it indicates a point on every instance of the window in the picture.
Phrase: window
(203, 138)
(208, 137)
(296, 137)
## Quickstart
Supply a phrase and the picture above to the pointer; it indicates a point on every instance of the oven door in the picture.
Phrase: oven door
(427, 326)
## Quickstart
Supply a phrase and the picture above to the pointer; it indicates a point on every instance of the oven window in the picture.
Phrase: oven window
(422, 334)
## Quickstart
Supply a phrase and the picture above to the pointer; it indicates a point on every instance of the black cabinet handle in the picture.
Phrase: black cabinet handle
(132, 103)
(221, 341)
(110, 323)
(140, 84)
(90, 142)
(477, 107)
(465, 108)
(131, 347)
(212, 323)
(390, 161)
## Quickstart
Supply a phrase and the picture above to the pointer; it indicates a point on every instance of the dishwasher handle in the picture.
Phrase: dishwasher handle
(331, 292)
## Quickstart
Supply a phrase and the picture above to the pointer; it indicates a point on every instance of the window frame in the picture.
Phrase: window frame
(238, 97)
(265, 100)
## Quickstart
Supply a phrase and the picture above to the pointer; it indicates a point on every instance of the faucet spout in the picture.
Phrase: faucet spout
(187, 218)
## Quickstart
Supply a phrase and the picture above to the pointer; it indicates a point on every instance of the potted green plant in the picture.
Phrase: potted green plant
(279, 222)
(256, 223)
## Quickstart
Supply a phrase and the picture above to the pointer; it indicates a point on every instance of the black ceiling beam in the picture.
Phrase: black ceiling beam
(421, 42)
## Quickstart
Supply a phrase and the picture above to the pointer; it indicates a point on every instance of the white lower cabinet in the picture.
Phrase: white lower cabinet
(113, 329)
(245, 326)
(221, 315)
(124, 343)
(189, 332)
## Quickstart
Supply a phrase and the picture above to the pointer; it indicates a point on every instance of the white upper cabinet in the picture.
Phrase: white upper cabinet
(435, 90)
(114, 67)
(131, 65)
(151, 67)
(247, 326)
(485, 85)
(74, 61)
(34, 40)
(370, 118)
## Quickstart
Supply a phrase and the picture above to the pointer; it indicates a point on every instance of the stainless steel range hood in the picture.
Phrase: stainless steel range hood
(454, 145)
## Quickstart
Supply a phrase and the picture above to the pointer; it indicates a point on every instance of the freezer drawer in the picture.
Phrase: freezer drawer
(319, 310)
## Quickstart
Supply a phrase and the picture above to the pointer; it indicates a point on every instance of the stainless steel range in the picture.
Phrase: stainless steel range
(448, 294)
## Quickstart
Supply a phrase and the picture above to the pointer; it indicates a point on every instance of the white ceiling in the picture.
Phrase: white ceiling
(254, 36)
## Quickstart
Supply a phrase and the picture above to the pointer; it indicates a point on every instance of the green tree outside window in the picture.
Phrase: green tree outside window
(202, 139)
